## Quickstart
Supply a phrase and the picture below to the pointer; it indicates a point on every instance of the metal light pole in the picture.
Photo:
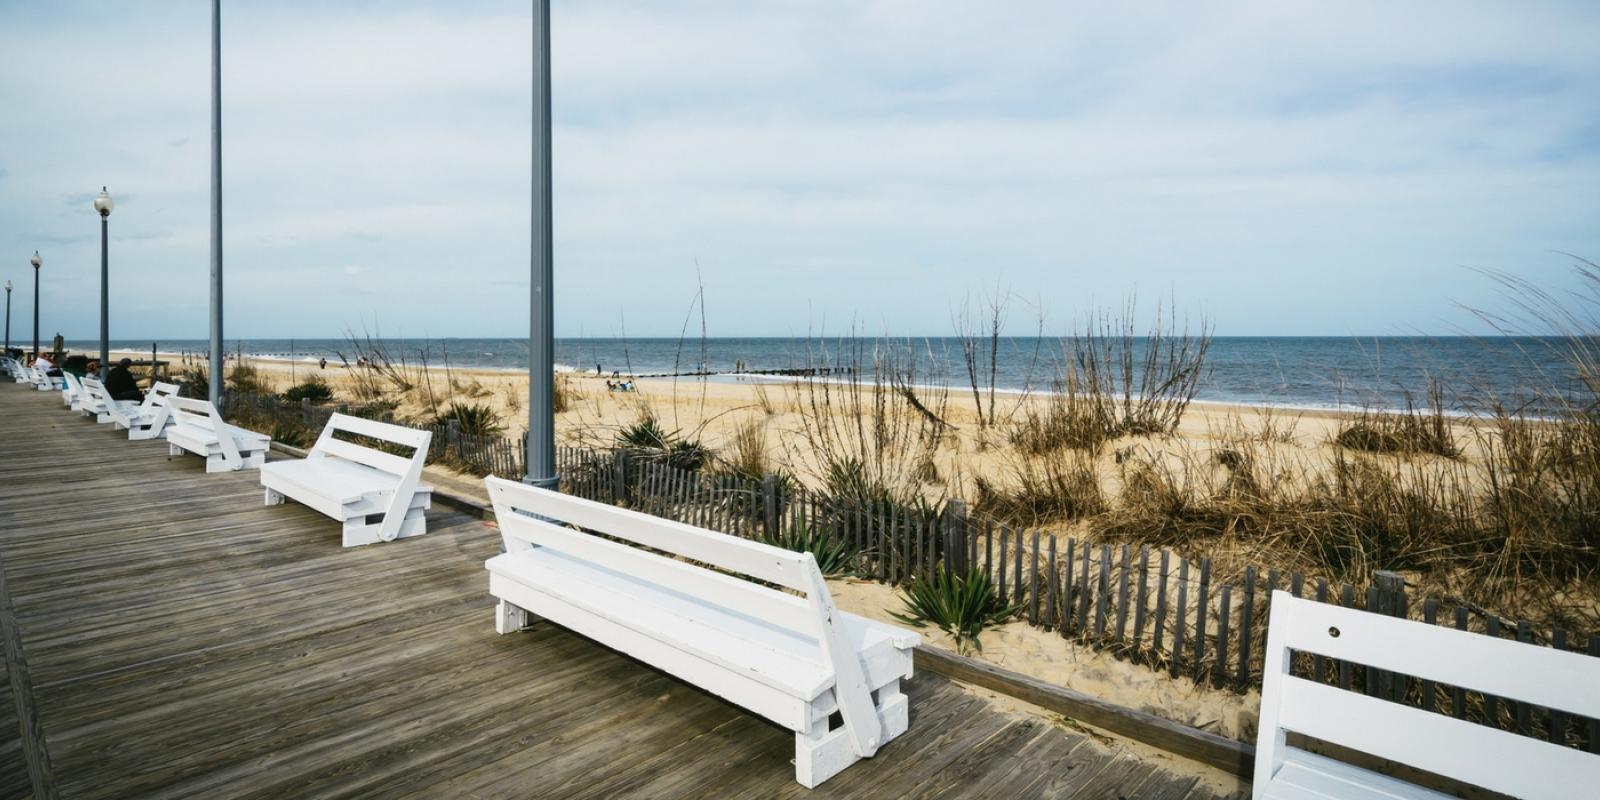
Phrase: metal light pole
(541, 328)
(215, 394)
(104, 204)
(8, 318)
(37, 262)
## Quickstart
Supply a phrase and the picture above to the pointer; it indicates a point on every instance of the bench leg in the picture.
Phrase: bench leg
(216, 463)
(274, 498)
(174, 450)
(510, 619)
(820, 754)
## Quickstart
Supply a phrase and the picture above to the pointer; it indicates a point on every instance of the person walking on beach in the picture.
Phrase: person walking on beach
(323, 364)
(120, 383)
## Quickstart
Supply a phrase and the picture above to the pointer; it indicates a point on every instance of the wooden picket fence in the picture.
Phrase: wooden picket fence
(1149, 606)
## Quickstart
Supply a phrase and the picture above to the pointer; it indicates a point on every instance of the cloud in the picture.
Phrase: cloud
(1290, 168)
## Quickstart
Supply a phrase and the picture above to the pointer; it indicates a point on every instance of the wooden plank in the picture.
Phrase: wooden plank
(1319, 663)
(1016, 569)
(1085, 593)
(1102, 593)
(1430, 699)
(1140, 598)
(1236, 758)
(1458, 694)
(1520, 709)
(1224, 613)
(1122, 599)
(1161, 604)
(1000, 586)
(1347, 599)
(1052, 589)
(1247, 611)
(35, 750)
(1033, 582)
(1179, 613)
(1202, 607)
(1491, 703)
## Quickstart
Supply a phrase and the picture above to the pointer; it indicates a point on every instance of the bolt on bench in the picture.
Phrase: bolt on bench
(376, 495)
(794, 659)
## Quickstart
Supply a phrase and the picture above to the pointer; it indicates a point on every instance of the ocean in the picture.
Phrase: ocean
(1291, 371)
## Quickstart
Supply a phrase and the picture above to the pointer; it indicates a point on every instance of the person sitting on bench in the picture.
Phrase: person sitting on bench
(121, 385)
(43, 363)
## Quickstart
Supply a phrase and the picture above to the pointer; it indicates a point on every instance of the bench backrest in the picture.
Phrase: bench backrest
(70, 387)
(328, 446)
(196, 413)
(531, 517)
(95, 397)
(154, 408)
(1491, 758)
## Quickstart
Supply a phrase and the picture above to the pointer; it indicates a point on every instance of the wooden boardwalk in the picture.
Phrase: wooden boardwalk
(181, 639)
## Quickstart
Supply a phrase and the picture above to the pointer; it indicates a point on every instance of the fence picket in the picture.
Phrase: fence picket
(1033, 582)
(1159, 626)
(1052, 588)
(1247, 610)
(1201, 609)
(1139, 600)
(1223, 615)
(1122, 599)
(1181, 612)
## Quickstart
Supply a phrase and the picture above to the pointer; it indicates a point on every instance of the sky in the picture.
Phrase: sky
(1278, 168)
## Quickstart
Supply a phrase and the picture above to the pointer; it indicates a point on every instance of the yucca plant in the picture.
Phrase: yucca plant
(960, 605)
(653, 441)
(835, 558)
(473, 419)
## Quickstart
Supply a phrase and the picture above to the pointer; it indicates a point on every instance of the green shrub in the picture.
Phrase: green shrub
(652, 441)
(313, 388)
(960, 605)
(472, 419)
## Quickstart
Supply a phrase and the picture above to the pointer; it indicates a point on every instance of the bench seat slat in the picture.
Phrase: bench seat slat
(1315, 777)
(1414, 737)
(340, 481)
(778, 657)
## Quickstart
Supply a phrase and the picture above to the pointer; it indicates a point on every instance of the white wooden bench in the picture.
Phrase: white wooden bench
(795, 660)
(98, 403)
(43, 382)
(72, 394)
(1497, 760)
(198, 428)
(149, 419)
(378, 496)
(14, 369)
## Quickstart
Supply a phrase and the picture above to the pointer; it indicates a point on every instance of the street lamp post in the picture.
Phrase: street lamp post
(541, 444)
(37, 262)
(104, 204)
(8, 317)
(215, 393)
